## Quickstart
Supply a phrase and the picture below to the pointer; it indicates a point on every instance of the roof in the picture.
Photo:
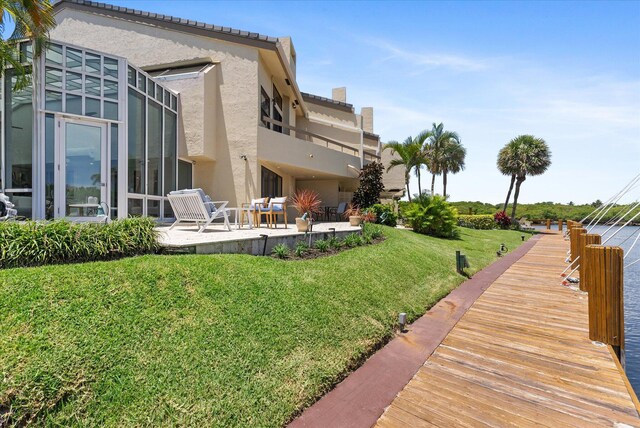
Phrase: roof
(317, 99)
(172, 22)
(371, 135)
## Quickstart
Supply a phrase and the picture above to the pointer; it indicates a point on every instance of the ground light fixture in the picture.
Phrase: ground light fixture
(333, 232)
(264, 248)
(402, 320)
(522, 237)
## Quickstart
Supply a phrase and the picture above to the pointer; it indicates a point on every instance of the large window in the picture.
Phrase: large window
(154, 150)
(265, 107)
(137, 129)
(185, 175)
(277, 109)
(271, 183)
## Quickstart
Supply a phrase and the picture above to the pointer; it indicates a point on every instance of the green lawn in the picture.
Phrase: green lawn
(224, 340)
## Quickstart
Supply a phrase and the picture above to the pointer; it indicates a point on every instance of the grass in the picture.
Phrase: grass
(216, 340)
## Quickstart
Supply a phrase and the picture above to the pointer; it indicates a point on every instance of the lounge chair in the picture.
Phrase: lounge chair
(193, 206)
(337, 212)
(276, 206)
(525, 224)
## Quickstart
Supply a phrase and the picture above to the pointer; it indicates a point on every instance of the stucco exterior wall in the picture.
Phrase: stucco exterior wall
(393, 179)
(236, 115)
(327, 190)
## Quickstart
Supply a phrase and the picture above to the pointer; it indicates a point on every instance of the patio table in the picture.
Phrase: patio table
(241, 210)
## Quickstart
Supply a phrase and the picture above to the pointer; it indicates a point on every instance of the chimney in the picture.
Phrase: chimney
(339, 94)
(367, 119)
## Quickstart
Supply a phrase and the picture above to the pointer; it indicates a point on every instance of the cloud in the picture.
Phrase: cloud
(428, 60)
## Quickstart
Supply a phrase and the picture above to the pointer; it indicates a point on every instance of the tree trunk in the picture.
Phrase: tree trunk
(419, 183)
(519, 182)
(433, 184)
(506, 203)
(444, 184)
(406, 180)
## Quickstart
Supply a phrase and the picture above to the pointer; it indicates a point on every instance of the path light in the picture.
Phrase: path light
(402, 320)
(264, 248)
(333, 232)
(522, 237)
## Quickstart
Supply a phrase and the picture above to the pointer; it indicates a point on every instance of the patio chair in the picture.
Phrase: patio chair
(337, 212)
(277, 206)
(254, 208)
(193, 206)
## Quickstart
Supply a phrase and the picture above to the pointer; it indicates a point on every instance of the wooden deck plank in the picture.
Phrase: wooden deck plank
(520, 356)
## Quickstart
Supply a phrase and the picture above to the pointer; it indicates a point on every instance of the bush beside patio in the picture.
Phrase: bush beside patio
(225, 340)
(41, 243)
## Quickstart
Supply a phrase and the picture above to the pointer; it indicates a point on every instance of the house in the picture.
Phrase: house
(130, 105)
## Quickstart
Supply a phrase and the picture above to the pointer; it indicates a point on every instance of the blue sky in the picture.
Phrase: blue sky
(568, 72)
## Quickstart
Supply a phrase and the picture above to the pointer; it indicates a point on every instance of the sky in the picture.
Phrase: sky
(567, 72)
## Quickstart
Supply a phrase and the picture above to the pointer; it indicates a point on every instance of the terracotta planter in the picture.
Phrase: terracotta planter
(302, 224)
(355, 220)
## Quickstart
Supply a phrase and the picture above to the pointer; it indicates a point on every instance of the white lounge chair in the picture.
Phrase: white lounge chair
(193, 206)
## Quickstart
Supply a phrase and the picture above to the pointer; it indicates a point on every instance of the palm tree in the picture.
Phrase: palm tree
(409, 156)
(522, 156)
(436, 139)
(452, 161)
(32, 19)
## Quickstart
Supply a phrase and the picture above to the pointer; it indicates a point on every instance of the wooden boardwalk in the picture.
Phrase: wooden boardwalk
(520, 356)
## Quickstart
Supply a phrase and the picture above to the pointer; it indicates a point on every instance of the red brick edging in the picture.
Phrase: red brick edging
(360, 399)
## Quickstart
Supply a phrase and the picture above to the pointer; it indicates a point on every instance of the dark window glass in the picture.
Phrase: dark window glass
(185, 175)
(53, 77)
(264, 107)
(53, 100)
(142, 82)
(18, 135)
(54, 54)
(168, 212)
(74, 59)
(131, 76)
(114, 170)
(91, 107)
(277, 109)
(134, 207)
(271, 184)
(23, 202)
(154, 149)
(153, 208)
(111, 67)
(74, 81)
(74, 104)
(110, 89)
(49, 164)
(136, 133)
(92, 85)
(110, 110)
(92, 63)
(170, 150)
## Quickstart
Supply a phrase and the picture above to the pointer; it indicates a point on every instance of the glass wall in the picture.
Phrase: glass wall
(152, 153)
(78, 85)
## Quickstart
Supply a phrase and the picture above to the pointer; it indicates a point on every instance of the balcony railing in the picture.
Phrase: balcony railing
(329, 143)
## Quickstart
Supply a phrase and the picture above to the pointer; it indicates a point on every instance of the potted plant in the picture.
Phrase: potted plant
(306, 202)
(354, 215)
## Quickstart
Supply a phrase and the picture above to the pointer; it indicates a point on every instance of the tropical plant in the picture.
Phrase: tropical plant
(32, 19)
(370, 187)
(433, 148)
(352, 210)
(410, 156)
(322, 245)
(306, 201)
(369, 216)
(522, 156)
(502, 219)
(452, 161)
(281, 251)
(301, 248)
(477, 221)
(334, 243)
(432, 215)
(373, 231)
(384, 214)
(353, 240)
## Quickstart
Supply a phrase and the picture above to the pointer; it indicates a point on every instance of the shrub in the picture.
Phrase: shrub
(334, 243)
(281, 251)
(352, 240)
(322, 245)
(373, 231)
(301, 248)
(35, 243)
(432, 215)
(307, 202)
(502, 219)
(368, 192)
(482, 221)
(384, 214)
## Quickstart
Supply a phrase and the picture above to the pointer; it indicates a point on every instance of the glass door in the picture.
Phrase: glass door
(81, 170)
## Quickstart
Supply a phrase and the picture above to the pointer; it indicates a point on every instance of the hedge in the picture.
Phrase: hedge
(482, 221)
(35, 243)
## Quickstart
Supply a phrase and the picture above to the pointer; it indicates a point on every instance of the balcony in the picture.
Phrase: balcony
(303, 136)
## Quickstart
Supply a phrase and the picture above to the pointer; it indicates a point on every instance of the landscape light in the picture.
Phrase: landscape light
(264, 248)
(402, 320)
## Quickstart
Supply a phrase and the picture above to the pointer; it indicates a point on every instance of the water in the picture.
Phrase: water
(625, 239)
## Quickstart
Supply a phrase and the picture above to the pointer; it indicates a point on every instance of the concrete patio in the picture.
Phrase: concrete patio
(216, 239)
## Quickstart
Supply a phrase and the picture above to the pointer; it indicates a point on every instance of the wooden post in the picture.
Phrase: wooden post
(574, 234)
(560, 224)
(584, 240)
(548, 224)
(604, 277)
